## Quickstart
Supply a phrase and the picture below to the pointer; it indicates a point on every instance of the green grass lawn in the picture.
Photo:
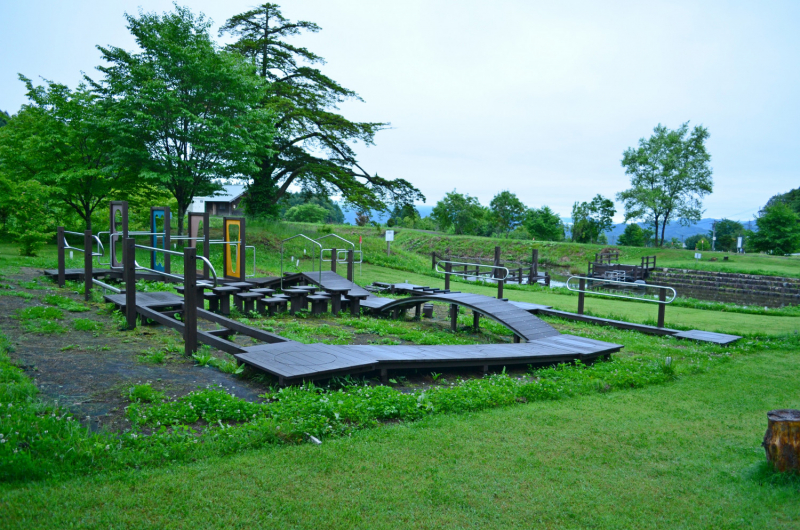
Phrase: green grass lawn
(705, 320)
(681, 455)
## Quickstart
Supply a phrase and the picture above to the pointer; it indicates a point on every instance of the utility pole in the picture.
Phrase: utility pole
(713, 236)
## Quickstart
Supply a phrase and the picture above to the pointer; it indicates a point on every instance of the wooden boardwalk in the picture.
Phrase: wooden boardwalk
(521, 322)
(154, 300)
(292, 361)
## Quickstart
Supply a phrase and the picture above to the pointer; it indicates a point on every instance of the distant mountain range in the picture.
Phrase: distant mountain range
(673, 229)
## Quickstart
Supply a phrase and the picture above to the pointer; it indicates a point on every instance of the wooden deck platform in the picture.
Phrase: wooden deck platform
(521, 322)
(155, 300)
(707, 336)
(291, 361)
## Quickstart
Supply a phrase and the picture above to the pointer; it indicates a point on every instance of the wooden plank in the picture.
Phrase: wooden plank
(238, 327)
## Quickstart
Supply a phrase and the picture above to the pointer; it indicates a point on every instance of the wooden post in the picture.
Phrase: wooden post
(476, 321)
(519, 276)
(433, 261)
(500, 283)
(496, 272)
(581, 287)
(167, 233)
(534, 265)
(447, 268)
(190, 300)
(333, 259)
(454, 317)
(388, 248)
(129, 273)
(87, 265)
(782, 439)
(662, 297)
(61, 265)
(350, 260)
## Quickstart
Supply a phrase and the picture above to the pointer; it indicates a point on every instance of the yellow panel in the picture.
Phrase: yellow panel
(230, 270)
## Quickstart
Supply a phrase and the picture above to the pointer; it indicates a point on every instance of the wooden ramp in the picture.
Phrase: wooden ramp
(292, 361)
(524, 324)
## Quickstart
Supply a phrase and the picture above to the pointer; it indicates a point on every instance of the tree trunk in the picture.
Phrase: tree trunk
(181, 213)
(782, 439)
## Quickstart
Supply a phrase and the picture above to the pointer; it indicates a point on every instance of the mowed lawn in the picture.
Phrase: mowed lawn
(706, 320)
(681, 455)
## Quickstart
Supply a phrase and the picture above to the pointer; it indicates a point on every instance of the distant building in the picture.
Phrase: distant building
(228, 202)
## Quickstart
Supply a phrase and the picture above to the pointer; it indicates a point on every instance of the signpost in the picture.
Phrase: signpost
(389, 239)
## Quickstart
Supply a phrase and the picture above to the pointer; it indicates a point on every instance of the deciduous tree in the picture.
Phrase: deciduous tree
(196, 110)
(778, 230)
(727, 232)
(460, 213)
(590, 219)
(544, 224)
(507, 211)
(312, 147)
(632, 236)
(66, 141)
(670, 175)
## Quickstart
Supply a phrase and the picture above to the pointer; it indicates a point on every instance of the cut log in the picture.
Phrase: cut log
(782, 439)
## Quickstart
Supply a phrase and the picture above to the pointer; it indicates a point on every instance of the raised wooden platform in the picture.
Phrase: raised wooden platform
(707, 336)
(155, 300)
(291, 361)
(521, 322)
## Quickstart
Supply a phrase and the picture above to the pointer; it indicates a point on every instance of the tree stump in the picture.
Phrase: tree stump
(782, 439)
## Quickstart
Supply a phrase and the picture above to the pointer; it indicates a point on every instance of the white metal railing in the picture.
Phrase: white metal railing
(312, 241)
(589, 287)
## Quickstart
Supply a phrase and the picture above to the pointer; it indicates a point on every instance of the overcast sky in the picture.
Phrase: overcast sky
(540, 98)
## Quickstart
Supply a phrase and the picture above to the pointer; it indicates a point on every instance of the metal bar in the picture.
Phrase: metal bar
(106, 286)
(338, 237)
(87, 266)
(165, 251)
(310, 240)
(189, 300)
(667, 300)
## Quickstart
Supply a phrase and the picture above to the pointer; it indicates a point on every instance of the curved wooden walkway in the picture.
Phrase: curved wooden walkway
(518, 320)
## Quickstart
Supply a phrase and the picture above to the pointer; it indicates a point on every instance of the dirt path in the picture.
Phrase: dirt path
(89, 371)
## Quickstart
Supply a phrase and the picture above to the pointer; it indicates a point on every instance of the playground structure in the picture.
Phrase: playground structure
(534, 341)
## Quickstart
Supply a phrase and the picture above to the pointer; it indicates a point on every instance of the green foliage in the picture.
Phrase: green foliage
(333, 213)
(312, 148)
(790, 198)
(591, 219)
(461, 214)
(632, 236)
(145, 394)
(727, 231)
(65, 141)
(27, 206)
(543, 224)
(153, 356)
(65, 303)
(194, 109)
(778, 230)
(86, 324)
(41, 319)
(507, 210)
(669, 177)
(307, 213)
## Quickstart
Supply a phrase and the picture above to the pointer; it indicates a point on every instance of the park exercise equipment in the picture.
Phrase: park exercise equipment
(619, 289)
(336, 256)
(498, 273)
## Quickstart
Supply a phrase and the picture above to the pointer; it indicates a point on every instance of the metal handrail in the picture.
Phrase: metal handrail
(627, 284)
(312, 263)
(467, 275)
(174, 253)
(339, 237)
(101, 249)
(344, 260)
(106, 286)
